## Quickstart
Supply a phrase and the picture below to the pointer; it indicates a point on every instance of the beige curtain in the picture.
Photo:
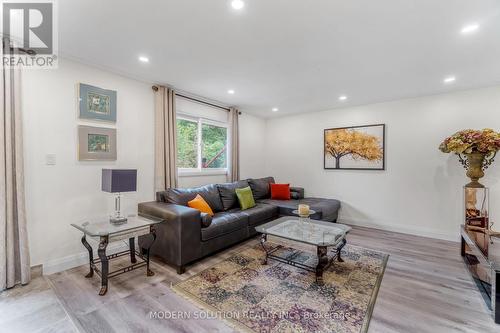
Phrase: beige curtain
(165, 139)
(14, 251)
(234, 168)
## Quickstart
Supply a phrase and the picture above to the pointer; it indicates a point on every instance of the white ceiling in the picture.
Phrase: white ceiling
(298, 55)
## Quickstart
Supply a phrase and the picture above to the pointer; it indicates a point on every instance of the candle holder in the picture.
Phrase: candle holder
(304, 217)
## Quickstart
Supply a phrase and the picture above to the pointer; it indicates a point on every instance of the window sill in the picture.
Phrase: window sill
(196, 173)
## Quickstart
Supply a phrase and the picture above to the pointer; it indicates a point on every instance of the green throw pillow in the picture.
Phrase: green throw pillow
(245, 197)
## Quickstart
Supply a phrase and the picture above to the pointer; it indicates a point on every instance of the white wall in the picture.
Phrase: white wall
(69, 191)
(420, 190)
(252, 146)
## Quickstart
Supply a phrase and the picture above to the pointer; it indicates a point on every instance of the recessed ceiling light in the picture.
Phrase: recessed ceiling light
(143, 59)
(342, 98)
(449, 79)
(469, 28)
(237, 4)
(230, 92)
(275, 109)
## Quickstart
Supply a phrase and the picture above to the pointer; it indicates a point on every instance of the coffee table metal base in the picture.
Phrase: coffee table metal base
(324, 260)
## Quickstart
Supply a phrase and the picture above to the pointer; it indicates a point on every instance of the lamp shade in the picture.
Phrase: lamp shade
(119, 180)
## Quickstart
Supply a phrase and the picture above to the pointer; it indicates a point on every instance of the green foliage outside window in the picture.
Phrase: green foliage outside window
(187, 144)
(214, 151)
(213, 145)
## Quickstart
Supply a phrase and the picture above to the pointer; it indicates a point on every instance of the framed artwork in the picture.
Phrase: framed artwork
(96, 143)
(355, 148)
(96, 103)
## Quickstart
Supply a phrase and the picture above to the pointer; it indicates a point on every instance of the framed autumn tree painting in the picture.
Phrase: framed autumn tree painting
(355, 148)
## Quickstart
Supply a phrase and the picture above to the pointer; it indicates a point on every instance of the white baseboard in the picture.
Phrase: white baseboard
(403, 230)
(75, 260)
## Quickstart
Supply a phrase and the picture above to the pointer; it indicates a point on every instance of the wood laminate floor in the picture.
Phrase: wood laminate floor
(426, 288)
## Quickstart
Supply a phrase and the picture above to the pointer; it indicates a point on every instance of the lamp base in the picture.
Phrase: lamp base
(118, 220)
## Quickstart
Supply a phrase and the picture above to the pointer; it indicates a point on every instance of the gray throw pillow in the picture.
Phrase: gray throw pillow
(260, 187)
(227, 193)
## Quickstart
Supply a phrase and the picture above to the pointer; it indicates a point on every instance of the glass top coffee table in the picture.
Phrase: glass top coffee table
(325, 236)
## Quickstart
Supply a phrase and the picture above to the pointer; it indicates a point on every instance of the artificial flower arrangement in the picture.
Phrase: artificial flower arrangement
(469, 141)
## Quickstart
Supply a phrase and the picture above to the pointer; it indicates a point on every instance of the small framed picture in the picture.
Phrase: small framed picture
(96, 143)
(355, 148)
(96, 103)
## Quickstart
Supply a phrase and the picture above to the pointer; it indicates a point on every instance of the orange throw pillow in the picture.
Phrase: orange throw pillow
(199, 203)
(280, 191)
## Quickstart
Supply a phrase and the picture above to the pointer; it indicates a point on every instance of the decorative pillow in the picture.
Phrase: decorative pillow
(245, 197)
(199, 203)
(260, 187)
(280, 191)
(228, 194)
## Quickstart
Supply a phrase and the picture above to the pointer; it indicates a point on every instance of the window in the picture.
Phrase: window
(214, 146)
(201, 145)
(202, 138)
(187, 144)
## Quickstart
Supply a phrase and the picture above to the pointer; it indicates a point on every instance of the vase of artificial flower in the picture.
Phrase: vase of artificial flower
(476, 150)
(474, 166)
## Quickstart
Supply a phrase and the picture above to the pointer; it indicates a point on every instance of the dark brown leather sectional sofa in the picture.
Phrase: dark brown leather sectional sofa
(188, 235)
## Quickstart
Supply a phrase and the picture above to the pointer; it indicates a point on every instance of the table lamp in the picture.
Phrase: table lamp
(118, 181)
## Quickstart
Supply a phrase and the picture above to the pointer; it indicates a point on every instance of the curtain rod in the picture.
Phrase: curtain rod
(202, 102)
(155, 88)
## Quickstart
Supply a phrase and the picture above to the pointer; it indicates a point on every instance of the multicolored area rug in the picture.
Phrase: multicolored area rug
(280, 298)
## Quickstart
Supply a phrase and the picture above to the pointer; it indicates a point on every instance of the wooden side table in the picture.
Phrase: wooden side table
(105, 232)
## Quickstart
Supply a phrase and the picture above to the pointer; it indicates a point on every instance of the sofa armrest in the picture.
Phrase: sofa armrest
(178, 239)
(206, 220)
(297, 193)
(168, 211)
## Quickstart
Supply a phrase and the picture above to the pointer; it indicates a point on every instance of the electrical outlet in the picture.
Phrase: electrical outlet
(50, 159)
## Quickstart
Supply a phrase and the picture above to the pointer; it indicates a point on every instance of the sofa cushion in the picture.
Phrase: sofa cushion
(326, 209)
(224, 223)
(259, 214)
(260, 187)
(227, 193)
(181, 196)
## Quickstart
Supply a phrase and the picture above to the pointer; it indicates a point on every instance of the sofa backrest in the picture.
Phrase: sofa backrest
(227, 193)
(261, 188)
(181, 196)
(220, 197)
